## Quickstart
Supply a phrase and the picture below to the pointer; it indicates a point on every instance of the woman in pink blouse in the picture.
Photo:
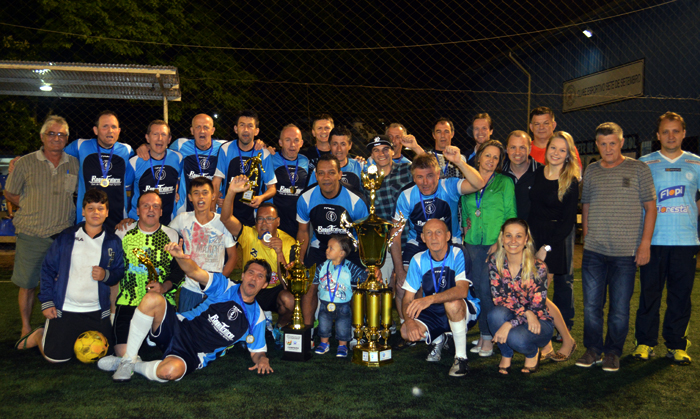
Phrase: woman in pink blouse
(519, 289)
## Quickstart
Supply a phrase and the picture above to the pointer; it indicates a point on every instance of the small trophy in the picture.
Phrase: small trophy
(297, 337)
(146, 261)
(254, 178)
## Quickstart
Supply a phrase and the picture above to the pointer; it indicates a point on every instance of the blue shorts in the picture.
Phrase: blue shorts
(436, 321)
(167, 340)
(410, 250)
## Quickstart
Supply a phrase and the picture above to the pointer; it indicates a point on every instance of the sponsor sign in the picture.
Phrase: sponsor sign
(607, 86)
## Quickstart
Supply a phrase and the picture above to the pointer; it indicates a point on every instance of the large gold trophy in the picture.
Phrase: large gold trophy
(297, 337)
(372, 302)
(253, 178)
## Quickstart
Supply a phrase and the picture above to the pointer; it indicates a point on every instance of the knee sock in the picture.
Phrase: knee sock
(148, 370)
(138, 330)
(459, 334)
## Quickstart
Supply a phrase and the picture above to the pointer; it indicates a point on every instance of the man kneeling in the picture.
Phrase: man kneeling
(447, 304)
(191, 340)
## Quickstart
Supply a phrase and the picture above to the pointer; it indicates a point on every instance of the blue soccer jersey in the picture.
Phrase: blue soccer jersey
(324, 213)
(338, 280)
(222, 320)
(351, 175)
(288, 172)
(195, 163)
(418, 209)
(167, 171)
(96, 164)
(233, 162)
(676, 182)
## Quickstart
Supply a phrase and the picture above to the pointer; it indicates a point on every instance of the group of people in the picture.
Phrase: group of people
(485, 236)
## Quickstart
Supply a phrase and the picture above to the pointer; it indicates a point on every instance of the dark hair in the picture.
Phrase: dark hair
(446, 121)
(541, 110)
(341, 131)
(344, 242)
(248, 113)
(425, 161)
(485, 116)
(321, 117)
(103, 113)
(609, 128)
(157, 122)
(152, 191)
(329, 157)
(491, 143)
(200, 181)
(669, 116)
(95, 196)
(264, 264)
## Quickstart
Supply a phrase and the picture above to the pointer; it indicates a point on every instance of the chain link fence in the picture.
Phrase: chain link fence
(366, 63)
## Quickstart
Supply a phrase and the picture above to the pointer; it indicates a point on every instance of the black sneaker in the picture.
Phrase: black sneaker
(589, 359)
(460, 368)
(611, 363)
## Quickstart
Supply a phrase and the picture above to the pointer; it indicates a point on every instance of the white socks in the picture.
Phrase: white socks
(148, 370)
(138, 330)
(459, 334)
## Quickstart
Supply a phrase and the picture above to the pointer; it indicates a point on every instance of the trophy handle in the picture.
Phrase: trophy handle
(347, 225)
(399, 224)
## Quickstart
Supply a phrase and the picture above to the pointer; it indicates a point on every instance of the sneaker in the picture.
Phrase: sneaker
(342, 351)
(392, 328)
(589, 359)
(321, 348)
(679, 356)
(436, 354)
(278, 335)
(109, 363)
(124, 371)
(611, 363)
(643, 352)
(460, 368)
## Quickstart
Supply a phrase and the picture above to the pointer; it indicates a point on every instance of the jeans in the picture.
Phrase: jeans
(342, 317)
(600, 272)
(482, 287)
(564, 284)
(520, 339)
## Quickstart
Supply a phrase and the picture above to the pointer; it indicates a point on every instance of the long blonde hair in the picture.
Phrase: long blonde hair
(571, 170)
(529, 268)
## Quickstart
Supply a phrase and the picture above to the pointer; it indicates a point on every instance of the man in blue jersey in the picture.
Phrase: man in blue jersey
(446, 305)
(235, 159)
(674, 245)
(292, 172)
(341, 143)
(426, 198)
(318, 212)
(104, 163)
(159, 172)
(191, 340)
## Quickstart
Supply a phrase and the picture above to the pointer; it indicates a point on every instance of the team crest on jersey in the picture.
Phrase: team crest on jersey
(204, 163)
(689, 176)
(331, 216)
(161, 174)
(233, 313)
(672, 192)
(430, 208)
(106, 164)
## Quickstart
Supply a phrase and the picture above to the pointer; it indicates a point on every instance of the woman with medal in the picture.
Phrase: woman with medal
(335, 293)
(483, 214)
(519, 318)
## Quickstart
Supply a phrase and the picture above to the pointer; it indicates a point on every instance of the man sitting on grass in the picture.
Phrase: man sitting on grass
(191, 340)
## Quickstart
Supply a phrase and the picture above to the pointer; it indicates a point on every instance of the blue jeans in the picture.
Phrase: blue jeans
(482, 287)
(520, 339)
(598, 273)
(342, 317)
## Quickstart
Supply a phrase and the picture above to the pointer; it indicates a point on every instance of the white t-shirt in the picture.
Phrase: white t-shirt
(82, 294)
(206, 244)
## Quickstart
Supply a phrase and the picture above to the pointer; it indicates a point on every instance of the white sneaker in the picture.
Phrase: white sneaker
(124, 371)
(436, 354)
(109, 363)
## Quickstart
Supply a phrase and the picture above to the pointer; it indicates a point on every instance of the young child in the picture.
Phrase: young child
(77, 272)
(336, 278)
(206, 239)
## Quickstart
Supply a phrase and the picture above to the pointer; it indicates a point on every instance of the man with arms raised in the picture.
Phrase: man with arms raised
(446, 305)
(396, 132)
(191, 340)
(341, 143)
(321, 127)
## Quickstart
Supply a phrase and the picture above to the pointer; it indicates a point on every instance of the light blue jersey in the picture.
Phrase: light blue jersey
(167, 171)
(195, 163)
(676, 182)
(343, 278)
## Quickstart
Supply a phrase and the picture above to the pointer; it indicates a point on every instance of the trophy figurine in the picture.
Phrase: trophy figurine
(297, 337)
(253, 178)
(372, 301)
(146, 261)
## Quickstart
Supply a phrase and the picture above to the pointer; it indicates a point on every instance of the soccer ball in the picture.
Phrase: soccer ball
(90, 346)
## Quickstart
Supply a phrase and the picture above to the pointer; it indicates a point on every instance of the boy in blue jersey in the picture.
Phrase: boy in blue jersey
(447, 304)
(674, 245)
(191, 340)
(104, 164)
(341, 143)
(292, 172)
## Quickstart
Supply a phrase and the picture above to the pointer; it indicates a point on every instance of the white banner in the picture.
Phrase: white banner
(615, 84)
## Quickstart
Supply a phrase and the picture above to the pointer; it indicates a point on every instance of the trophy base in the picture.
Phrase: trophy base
(297, 344)
(378, 356)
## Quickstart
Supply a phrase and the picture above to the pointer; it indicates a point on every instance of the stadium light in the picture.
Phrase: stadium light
(46, 88)
(588, 33)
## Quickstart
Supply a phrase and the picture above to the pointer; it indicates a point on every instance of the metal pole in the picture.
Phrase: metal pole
(529, 88)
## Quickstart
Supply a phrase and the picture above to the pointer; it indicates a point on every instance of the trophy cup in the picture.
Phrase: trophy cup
(255, 167)
(371, 301)
(297, 337)
(146, 261)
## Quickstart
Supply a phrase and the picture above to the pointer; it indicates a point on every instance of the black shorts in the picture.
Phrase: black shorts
(122, 321)
(267, 298)
(61, 333)
(437, 323)
(166, 338)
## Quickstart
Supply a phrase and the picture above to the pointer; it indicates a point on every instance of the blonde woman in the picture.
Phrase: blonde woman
(518, 282)
(554, 200)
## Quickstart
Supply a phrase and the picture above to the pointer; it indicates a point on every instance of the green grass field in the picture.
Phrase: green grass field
(327, 387)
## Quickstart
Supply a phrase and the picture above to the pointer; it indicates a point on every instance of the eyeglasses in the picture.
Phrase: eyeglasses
(268, 219)
(52, 134)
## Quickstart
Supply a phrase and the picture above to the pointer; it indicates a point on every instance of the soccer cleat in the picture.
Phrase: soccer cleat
(342, 351)
(460, 368)
(436, 354)
(124, 371)
(611, 362)
(109, 363)
(643, 352)
(679, 356)
(322, 348)
(588, 359)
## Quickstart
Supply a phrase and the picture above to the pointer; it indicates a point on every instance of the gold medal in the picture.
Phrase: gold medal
(250, 339)
(293, 190)
(104, 182)
(331, 307)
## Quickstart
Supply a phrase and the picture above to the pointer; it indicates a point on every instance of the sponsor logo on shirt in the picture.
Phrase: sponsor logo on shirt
(95, 181)
(162, 189)
(331, 230)
(221, 328)
(652, 161)
(680, 209)
(672, 192)
(192, 174)
(692, 161)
